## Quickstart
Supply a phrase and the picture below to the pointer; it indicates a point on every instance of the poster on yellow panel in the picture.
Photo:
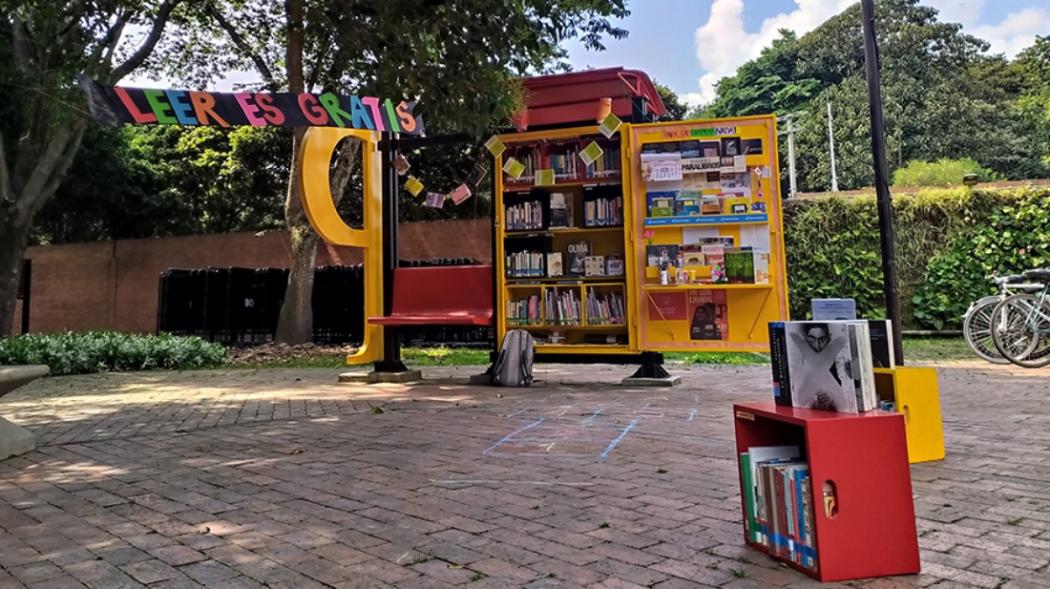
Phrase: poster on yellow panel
(709, 315)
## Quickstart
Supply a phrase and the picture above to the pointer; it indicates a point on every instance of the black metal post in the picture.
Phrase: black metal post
(882, 185)
(391, 361)
(27, 289)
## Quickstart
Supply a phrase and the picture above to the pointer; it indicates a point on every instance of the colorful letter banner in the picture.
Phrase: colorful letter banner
(145, 106)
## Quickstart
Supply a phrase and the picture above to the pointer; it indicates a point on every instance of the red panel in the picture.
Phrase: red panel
(873, 533)
(441, 295)
(573, 97)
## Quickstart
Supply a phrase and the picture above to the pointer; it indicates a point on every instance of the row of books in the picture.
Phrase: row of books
(566, 162)
(825, 365)
(524, 311)
(778, 500)
(524, 216)
(605, 308)
(562, 307)
(603, 212)
(729, 265)
(725, 146)
(525, 264)
(691, 203)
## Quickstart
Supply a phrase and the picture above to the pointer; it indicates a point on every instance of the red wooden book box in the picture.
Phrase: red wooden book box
(865, 457)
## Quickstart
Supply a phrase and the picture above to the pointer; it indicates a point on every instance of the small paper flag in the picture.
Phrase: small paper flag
(545, 177)
(480, 171)
(495, 146)
(514, 168)
(610, 125)
(460, 193)
(401, 165)
(413, 186)
(435, 200)
(591, 153)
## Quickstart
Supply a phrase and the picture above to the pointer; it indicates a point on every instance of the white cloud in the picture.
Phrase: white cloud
(965, 12)
(723, 44)
(1015, 32)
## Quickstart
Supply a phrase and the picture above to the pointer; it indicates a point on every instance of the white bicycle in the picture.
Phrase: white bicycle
(977, 322)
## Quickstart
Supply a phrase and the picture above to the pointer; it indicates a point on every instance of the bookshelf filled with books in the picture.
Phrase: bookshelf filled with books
(667, 235)
(807, 500)
(562, 243)
(709, 252)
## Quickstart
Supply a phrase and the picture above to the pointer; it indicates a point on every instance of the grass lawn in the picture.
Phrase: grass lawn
(915, 349)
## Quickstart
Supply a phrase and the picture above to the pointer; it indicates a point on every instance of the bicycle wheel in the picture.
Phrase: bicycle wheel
(977, 330)
(1021, 330)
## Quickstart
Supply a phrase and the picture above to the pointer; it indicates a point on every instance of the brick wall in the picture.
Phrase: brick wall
(113, 284)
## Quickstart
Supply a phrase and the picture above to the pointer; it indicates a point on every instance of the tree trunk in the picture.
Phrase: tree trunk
(295, 324)
(13, 239)
(296, 320)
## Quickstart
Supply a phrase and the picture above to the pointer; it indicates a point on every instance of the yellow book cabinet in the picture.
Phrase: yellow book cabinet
(580, 246)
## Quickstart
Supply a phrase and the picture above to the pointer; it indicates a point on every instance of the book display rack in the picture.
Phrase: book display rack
(828, 494)
(662, 237)
(561, 242)
(710, 257)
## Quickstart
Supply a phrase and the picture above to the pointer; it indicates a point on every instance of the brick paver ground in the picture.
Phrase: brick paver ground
(284, 478)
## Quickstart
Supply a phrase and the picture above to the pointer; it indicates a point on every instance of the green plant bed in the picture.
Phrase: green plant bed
(99, 351)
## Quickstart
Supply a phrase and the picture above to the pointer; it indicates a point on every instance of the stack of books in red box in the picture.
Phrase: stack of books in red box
(824, 476)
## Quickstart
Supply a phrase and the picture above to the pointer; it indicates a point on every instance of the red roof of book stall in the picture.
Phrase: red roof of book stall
(573, 98)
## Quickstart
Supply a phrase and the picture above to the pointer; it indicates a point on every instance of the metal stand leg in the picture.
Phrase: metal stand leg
(651, 373)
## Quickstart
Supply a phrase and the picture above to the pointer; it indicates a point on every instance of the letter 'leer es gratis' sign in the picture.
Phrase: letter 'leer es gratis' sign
(147, 106)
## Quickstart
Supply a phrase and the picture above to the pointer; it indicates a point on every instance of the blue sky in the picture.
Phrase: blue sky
(664, 34)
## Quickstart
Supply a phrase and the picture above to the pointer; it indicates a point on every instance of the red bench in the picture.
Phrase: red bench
(441, 295)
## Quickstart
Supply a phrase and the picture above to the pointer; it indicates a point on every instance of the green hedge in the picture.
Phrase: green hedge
(948, 241)
(98, 351)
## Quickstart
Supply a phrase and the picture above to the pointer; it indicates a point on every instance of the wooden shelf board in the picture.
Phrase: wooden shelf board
(523, 186)
(573, 281)
(512, 233)
(693, 221)
(708, 286)
(545, 327)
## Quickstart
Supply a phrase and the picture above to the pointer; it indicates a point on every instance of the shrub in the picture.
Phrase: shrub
(97, 351)
(1004, 240)
(833, 249)
(943, 172)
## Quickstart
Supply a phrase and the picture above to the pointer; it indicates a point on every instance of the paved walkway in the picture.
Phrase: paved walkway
(284, 478)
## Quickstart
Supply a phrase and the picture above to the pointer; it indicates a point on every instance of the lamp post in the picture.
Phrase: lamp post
(882, 185)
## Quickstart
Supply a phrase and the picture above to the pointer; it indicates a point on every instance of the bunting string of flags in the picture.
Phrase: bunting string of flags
(511, 166)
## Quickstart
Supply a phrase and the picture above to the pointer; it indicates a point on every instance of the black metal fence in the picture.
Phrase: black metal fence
(239, 306)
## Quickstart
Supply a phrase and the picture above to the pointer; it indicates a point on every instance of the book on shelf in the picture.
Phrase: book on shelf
(561, 210)
(564, 159)
(524, 311)
(692, 255)
(602, 211)
(687, 204)
(576, 253)
(655, 255)
(778, 505)
(525, 216)
(605, 308)
(661, 203)
(711, 204)
(594, 266)
(554, 265)
(562, 306)
(525, 264)
(614, 265)
(823, 365)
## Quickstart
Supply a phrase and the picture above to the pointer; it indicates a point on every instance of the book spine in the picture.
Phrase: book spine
(750, 524)
(779, 364)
